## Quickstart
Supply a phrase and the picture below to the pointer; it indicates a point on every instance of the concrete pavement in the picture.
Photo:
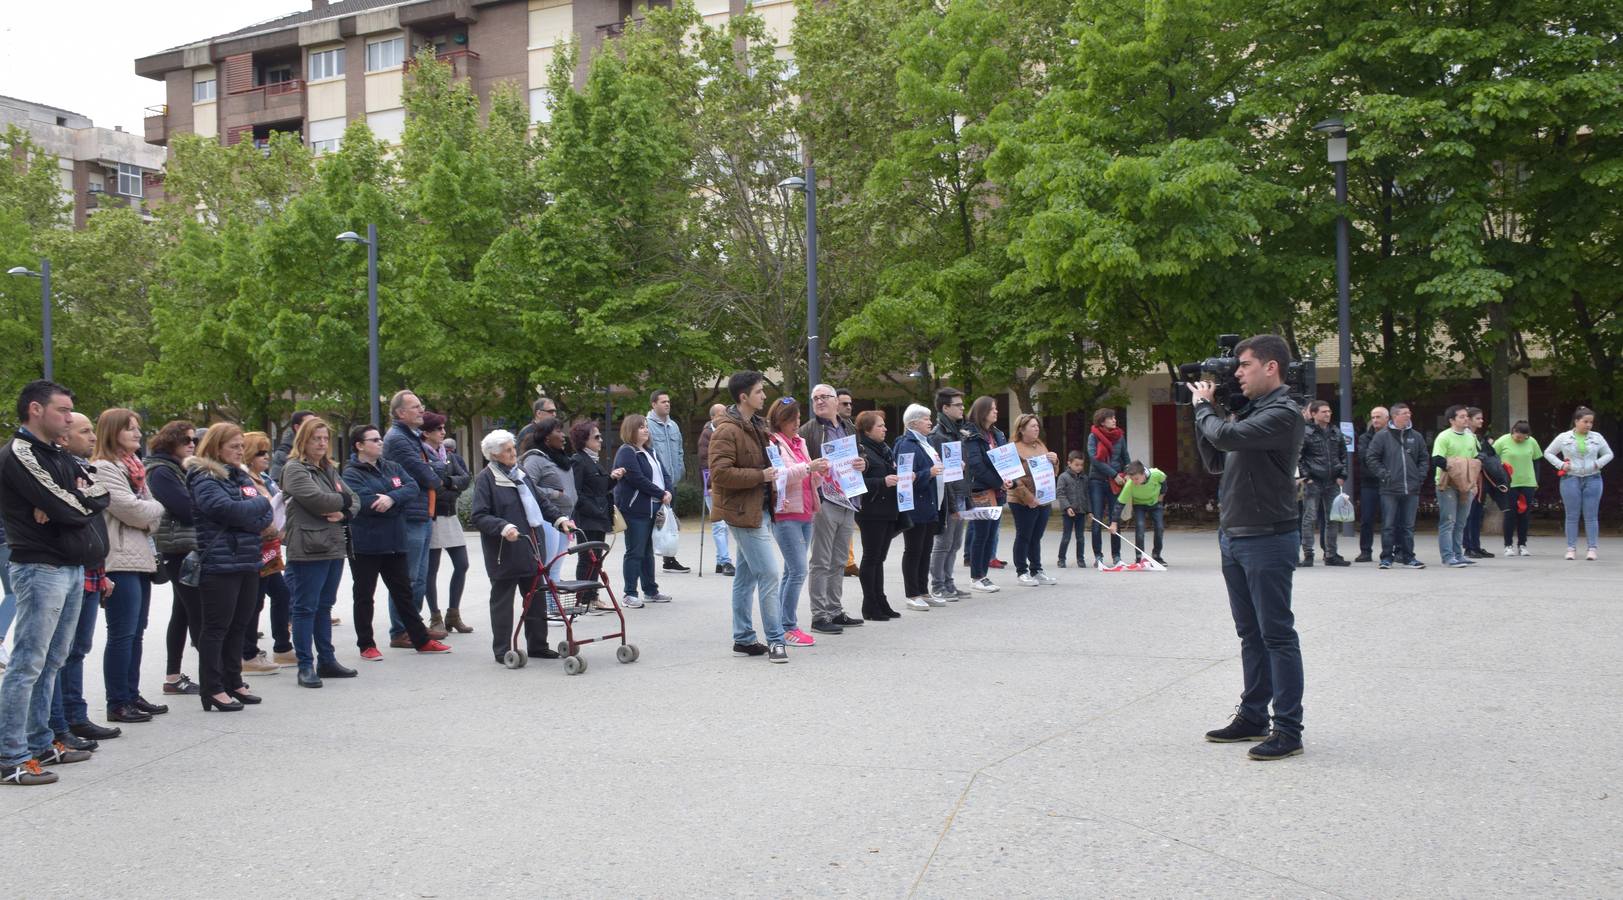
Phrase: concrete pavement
(1464, 735)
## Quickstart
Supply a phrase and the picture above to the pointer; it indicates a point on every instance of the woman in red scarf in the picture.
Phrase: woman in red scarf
(1107, 454)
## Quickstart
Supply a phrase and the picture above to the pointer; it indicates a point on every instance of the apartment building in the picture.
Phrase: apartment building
(98, 167)
(312, 72)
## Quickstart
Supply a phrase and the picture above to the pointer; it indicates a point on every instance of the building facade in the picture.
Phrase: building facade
(98, 167)
(312, 73)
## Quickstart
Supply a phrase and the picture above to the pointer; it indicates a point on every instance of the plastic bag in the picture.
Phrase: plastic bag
(1341, 509)
(667, 535)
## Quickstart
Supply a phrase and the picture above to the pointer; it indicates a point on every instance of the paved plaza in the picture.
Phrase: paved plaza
(1464, 735)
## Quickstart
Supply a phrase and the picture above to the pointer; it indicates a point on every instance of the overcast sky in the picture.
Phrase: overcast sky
(80, 54)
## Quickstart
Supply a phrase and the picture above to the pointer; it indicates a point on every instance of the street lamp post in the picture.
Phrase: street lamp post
(371, 242)
(808, 186)
(1336, 130)
(44, 276)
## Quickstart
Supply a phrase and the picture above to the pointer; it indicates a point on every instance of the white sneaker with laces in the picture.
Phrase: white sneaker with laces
(1521, 550)
(1028, 580)
(1509, 552)
(631, 602)
(1045, 578)
(934, 600)
(985, 586)
(915, 603)
(1592, 555)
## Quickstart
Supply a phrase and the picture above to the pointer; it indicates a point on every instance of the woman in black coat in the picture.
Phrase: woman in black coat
(594, 500)
(510, 533)
(877, 519)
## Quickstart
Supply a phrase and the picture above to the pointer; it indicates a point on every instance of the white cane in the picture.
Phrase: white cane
(1148, 559)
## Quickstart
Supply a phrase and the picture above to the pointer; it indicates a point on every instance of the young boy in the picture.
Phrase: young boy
(1141, 496)
(1072, 494)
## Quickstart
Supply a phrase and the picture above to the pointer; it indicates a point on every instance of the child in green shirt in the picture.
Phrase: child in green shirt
(1140, 497)
(1520, 452)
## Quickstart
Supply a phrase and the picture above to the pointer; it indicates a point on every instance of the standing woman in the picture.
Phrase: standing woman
(132, 518)
(925, 516)
(796, 507)
(877, 519)
(638, 496)
(1520, 452)
(176, 536)
(1030, 516)
(986, 487)
(231, 516)
(447, 537)
(1578, 456)
(257, 452)
(594, 501)
(1107, 455)
(508, 512)
(318, 506)
(544, 454)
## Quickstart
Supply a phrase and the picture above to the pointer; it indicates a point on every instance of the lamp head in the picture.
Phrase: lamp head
(792, 183)
(22, 270)
(350, 237)
(1333, 126)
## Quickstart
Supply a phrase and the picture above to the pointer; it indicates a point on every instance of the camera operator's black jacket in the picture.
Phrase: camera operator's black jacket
(1256, 454)
(1324, 455)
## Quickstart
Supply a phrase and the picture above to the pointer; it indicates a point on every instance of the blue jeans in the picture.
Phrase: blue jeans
(1029, 525)
(48, 600)
(1073, 525)
(1453, 508)
(127, 609)
(68, 703)
(1102, 500)
(1157, 516)
(1397, 527)
(8, 602)
(981, 540)
(314, 586)
(1258, 573)
(1369, 511)
(1580, 495)
(275, 587)
(757, 563)
(419, 533)
(718, 530)
(638, 564)
(794, 545)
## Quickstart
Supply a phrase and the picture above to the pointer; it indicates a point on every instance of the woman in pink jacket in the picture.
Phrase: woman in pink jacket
(799, 475)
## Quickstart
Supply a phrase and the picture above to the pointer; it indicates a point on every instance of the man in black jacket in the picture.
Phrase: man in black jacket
(1399, 462)
(1323, 471)
(49, 505)
(1256, 452)
(1369, 490)
(949, 407)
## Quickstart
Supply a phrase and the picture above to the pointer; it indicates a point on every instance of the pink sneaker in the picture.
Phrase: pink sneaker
(371, 654)
(799, 638)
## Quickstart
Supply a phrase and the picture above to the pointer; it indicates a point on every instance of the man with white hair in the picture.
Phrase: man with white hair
(836, 517)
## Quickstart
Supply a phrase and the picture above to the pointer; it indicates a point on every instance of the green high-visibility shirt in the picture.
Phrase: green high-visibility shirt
(1146, 494)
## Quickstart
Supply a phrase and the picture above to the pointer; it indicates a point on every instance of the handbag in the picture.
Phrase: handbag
(979, 499)
(619, 523)
(191, 569)
(160, 575)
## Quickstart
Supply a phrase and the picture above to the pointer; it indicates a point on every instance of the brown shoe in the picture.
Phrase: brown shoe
(852, 571)
(436, 628)
(402, 642)
(453, 621)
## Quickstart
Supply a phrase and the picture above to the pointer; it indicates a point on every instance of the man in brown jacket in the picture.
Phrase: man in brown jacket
(741, 482)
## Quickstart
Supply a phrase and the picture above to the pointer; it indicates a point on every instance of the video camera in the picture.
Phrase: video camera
(1220, 370)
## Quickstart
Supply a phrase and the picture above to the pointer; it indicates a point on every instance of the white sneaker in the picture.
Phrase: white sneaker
(1591, 555)
(631, 602)
(1571, 553)
(933, 600)
(1028, 580)
(915, 603)
(938, 598)
(1522, 551)
(985, 586)
(1045, 578)
(1509, 552)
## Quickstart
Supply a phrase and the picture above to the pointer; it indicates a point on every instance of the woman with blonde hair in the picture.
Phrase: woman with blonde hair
(256, 456)
(1030, 516)
(643, 489)
(319, 504)
(132, 518)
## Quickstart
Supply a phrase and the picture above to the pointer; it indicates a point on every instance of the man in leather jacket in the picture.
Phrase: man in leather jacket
(1256, 452)
(1323, 471)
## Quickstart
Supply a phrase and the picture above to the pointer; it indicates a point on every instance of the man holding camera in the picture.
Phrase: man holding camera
(1256, 452)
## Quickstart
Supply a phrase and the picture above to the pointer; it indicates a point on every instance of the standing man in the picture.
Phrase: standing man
(284, 444)
(949, 408)
(49, 505)
(541, 410)
(70, 715)
(405, 447)
(1453, 453)
(1473, 524)
(1369, 489)
(1324, 471)
(836, 517)
(1398, 465)
(1256, 452)
(718, 527)
(665, 439)
(743, 480)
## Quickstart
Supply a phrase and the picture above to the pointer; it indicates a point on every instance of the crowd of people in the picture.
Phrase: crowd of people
(98, 513)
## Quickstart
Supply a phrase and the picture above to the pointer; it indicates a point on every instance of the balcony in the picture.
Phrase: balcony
(157, 125)
(462, 62)
(265, 103)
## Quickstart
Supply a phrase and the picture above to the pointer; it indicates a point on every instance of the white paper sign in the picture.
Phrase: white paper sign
(1042, 477)
(1006, 459)
(952, 461)
(841, 454)
(775, 457)
(904, 483)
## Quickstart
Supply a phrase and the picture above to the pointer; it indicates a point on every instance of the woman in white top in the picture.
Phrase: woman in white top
(1578, 456)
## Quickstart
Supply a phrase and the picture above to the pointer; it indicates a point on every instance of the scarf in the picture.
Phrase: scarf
(560, 458)
(137, 471)
(1107, 439)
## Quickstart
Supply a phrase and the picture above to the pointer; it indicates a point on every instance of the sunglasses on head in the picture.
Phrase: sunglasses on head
(786, 400)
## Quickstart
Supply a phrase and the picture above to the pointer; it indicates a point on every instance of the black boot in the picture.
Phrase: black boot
(308, 677)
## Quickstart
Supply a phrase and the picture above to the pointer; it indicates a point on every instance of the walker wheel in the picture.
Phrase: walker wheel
(563, 648)
(574, 665)
(625, 653)
(515, 659)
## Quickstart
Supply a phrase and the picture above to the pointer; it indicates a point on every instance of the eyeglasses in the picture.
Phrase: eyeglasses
(551, 409)
(372, 440)
(819, 398)
(261, 453)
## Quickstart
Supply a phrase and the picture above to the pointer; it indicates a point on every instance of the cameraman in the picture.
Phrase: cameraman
(1256, 452)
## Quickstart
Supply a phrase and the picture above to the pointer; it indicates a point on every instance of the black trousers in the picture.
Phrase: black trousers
(502, 594)
(185, 614)
(227, 603)
(917, 544)
(365, 569)
(876, 538)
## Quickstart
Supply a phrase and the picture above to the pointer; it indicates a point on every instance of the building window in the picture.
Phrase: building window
(129, 180)
(385, 54)
(326, 135)
(387, 125)
(279, 74)
(202, 91)
(327, 64)
(540, 105)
